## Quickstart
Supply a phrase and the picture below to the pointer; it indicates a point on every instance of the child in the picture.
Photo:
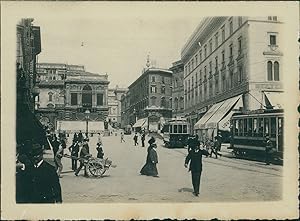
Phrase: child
(99, 149)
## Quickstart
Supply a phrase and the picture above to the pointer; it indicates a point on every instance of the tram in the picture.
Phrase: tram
(176, 133)
(250, 129)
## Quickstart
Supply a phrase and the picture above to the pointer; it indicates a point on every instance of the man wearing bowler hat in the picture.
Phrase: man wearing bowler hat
(45, 182)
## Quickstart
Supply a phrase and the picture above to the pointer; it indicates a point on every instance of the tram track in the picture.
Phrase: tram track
(217, 162)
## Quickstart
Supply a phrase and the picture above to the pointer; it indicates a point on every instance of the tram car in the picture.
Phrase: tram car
(176, 133)
(249, 132)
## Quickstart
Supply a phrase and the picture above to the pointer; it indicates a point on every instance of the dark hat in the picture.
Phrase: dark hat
(36, 149)
(86, 139)
(152, 140)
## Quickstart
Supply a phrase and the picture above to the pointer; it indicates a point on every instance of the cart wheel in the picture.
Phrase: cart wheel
(96, 168)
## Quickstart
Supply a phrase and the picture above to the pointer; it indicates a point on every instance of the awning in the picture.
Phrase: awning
(222, 111)
(145, 125)
(224, 124)
(139, 122)
(274, 100)
(95, 126)
(201, 123)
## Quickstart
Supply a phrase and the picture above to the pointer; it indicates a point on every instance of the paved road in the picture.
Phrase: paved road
(223, 179)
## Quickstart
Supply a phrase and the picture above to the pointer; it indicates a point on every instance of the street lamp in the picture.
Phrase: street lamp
(87, 116)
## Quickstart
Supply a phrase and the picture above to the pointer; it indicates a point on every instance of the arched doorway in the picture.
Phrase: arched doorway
(87, 96)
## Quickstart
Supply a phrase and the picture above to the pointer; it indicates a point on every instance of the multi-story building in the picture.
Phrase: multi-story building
(148, 102)
(177, 89)
(231, 62)
(70, 96)
(28, 48)
(114, 105)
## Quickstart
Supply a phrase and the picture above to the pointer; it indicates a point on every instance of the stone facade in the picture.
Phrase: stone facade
(229, 56)
(177, 89)
(149, 97)
(67, 91)
(114, 105)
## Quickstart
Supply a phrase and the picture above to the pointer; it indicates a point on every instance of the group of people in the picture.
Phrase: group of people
(143, 137)
(36, 180)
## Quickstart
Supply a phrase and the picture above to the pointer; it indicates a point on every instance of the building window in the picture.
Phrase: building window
(205, 73)
(163, 80)
(216, 59)
(270, 18)
(163, 102)
(231, 80)
(223, 84)
(270, 70)
(217, 85)
(153, 89)
(74, 100)
(50, 94)
(272, 39)
(205, 51)
(210, 46)
(223, 33)
(230, 27)
(196, 83)
(240, 45)
(163, 90)
(87, 96)
(153, 101)
(240, 74)
(196, 58)
(200, 54)
(99, 99)
(153, 78)
(276, 71)
(274, 18)
(223, 57)
(240, 21)
(217, 39)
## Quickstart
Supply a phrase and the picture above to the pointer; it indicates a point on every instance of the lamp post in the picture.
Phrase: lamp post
(87, 116)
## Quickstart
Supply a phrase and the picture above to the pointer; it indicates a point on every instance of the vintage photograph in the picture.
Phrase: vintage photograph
(150, 108)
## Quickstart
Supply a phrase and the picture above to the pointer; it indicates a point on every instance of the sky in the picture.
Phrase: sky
(114, 44)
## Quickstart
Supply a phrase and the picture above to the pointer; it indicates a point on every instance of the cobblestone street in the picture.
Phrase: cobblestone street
(223, 179)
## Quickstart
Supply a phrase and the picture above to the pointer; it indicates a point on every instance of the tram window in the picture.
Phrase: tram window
(245, 127)
(273, 127)
(184, 128)
(175, 129)
(255, 127)
(179, 128)
(236, 127)
(260, 127)
(241, 127)
(266, 125)
(280, 125)
(250, 127)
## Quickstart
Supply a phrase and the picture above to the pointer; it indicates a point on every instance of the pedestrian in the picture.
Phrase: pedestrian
(194, 159)
(99, 138)
(135, 138)
(74, 149)
(122, 137)
(80, 136)
(84, 155)
(45, 183)
(143, 139)
(219, 137)
(100, 153)
(75, 137)
(216, 146)
(268, 150)
(55, 145)
(23, 178)
(58, 157)
(150, 169)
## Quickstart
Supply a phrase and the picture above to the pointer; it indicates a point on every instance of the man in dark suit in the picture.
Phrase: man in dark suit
(194, 157)
(45, 182)
(84, 155)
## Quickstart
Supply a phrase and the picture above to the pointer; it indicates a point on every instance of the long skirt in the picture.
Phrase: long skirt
(149, 169)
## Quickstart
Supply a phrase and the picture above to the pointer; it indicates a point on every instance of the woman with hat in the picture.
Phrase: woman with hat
(150, 169)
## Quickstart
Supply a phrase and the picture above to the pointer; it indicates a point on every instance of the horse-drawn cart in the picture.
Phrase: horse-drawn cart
(94, 166)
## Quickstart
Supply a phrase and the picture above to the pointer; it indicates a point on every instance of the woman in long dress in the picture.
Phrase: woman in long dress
(150, 169)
